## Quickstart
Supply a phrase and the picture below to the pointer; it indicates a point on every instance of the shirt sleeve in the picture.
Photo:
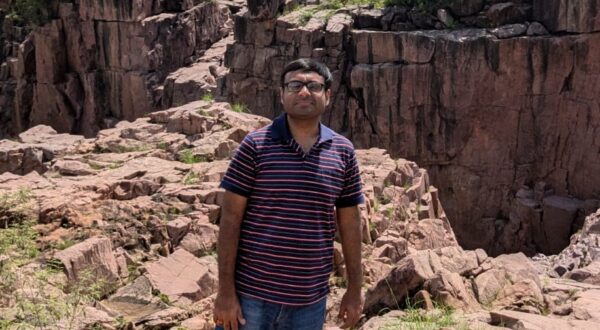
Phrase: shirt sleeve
(240, 175)
(351, 194)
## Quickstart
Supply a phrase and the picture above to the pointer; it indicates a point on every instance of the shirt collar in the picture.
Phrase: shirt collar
(280, 130)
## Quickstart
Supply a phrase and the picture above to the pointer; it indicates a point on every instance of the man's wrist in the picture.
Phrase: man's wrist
(353, 290)
(226, 290)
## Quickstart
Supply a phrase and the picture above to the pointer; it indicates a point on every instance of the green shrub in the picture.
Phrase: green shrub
(30, 12)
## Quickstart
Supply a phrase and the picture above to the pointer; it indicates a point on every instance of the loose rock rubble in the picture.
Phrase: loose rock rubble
(140, 204)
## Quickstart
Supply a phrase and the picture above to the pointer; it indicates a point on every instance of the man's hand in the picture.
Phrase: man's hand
(227, 312)
(350, 309)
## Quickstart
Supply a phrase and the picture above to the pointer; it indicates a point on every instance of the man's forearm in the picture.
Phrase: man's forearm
(229, 234)
(232, 213)
(350, 233)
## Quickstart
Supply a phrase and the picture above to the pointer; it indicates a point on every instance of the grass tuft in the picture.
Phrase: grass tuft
(240, 108)
(208, 97)
(187, 156)
(418, 319)
(191, 178)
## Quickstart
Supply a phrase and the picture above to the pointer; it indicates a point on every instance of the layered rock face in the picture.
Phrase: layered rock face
(95, 63)
(486, 111)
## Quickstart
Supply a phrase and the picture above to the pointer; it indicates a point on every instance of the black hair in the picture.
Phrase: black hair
(308, 65)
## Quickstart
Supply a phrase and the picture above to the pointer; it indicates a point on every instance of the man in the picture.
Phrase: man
(285, 186)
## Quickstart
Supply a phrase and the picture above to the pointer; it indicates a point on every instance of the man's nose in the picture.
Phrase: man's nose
(304, 91)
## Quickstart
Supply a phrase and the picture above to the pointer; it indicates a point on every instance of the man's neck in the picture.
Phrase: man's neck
(304, 129)
(304, 132)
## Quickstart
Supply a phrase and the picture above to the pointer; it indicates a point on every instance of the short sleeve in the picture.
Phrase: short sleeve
(240, 175)
(351, 194)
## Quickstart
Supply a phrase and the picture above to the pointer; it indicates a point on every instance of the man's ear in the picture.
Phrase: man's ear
(281, 95)
(327, 96)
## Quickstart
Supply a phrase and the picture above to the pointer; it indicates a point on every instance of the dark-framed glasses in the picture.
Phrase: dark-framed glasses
(295, 86)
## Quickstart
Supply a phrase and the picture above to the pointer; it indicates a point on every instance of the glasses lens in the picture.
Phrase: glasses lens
(314, 86)
(294, 86)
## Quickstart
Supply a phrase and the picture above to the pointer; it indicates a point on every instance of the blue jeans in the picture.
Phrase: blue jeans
(262, 315)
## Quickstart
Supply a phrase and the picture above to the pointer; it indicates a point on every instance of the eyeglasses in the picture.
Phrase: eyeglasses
(295, 86)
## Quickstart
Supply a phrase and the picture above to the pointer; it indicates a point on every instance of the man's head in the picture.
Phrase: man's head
(305, 88)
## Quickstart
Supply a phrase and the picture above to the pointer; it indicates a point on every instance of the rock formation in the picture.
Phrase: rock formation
(95, 63)
(137, 209)
(475, 91)
(497, 104)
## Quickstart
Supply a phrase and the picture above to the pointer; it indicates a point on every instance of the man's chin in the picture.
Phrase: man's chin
(304, 114)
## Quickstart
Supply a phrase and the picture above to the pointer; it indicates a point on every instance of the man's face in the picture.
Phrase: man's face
(304, 104)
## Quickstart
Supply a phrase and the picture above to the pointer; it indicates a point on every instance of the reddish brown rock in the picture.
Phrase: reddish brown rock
(507, 13)
(530, 321)
(20, 159)
(560, 15)
(448, 288)
(466, 7)
(409, 273)
(488, 284)
(201, 240)
(422, 94)
(115, 55)
(183, 277)
(94, 255)
(585, 306)
(429, 234)
(525, 296)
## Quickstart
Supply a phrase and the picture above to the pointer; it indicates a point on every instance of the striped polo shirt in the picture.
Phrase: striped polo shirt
(285, 252)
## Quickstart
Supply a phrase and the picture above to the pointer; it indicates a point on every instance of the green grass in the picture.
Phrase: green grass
(64, 244)
(187, 156)
(208, 97)
(240, 108)
(162, 145)
(390, 212)
(120, 149)
(14, 207)
(305, 17)
(384, 199)
(418, 319)
(27, 291)
(191, 178)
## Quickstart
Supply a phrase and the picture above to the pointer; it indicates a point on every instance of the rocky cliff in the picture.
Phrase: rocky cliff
(90, 63)
(507, 99)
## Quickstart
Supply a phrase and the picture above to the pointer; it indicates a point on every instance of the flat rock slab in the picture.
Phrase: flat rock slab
(94, 254)
(526, 321)
(183, 277)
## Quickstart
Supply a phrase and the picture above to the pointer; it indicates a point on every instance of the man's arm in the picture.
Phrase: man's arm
(349, 225)
(227, 307)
